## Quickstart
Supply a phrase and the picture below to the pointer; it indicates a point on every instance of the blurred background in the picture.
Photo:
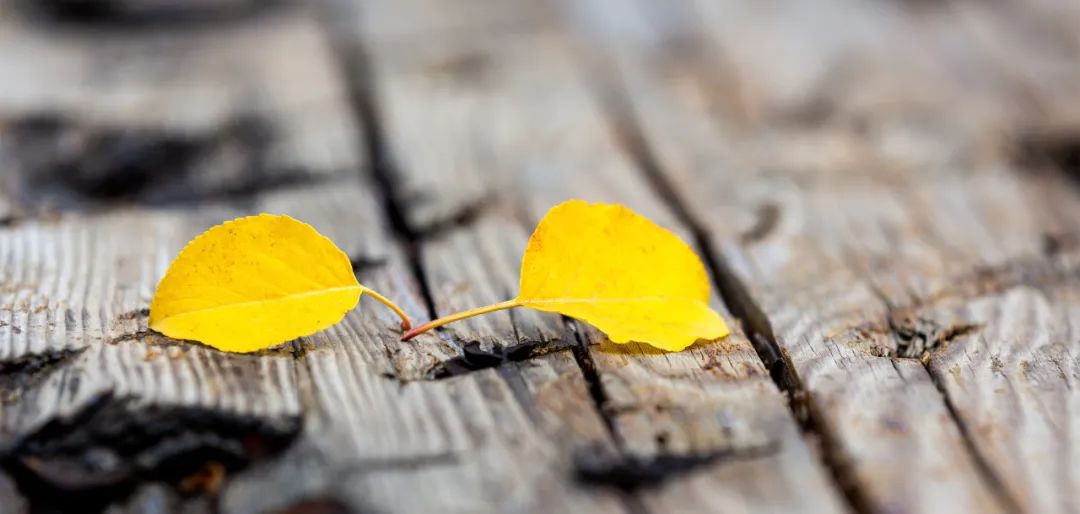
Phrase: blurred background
(156, 101)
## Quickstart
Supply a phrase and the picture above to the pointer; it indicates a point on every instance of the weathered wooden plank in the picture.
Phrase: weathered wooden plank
(525, 128)
(848, 240)
(98, 115)
(479, 266)
(356, 432)
(1011, 375)
(461, 444)
(481, 443)
(374, 427)
(466, 440)
(815, 305)
(81, 366)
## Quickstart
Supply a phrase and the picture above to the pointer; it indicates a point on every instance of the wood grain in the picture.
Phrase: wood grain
(463, 444)
(476, 435)
(530, 134)
(349, 418)
(848, 231)
(882, 193)
(77, 286)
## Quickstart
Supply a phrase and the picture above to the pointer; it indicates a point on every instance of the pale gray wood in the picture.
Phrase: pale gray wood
(817, 308)
(386, 440)
(1011, 377)
(77, 286)
(850, 242)
(104, 318)
(480, 266)
(80, 102)
(865, 230)
(529, 133)
(190, 110)
(465, 441)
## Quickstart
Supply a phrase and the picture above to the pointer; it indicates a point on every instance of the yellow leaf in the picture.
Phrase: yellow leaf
(616, 270)
(255, 282)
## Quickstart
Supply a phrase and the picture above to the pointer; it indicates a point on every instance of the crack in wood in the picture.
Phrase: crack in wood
(356, 70)
(593, 381)
(929, 334)
(917, 336)
(736, 296)
(997, 484)
(383, 174)
(922, 338)
(627, 472)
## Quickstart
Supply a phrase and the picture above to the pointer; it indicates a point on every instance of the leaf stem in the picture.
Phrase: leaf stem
(405, 323)
(460, 316)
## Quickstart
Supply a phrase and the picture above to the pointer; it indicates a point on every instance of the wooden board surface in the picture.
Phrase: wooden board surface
(528, 129)
(878, 192)
(852, 250)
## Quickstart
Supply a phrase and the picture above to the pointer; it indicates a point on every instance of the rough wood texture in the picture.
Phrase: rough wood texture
(77, 354)
(879, 190)
(522, 130)
(865, 240)
(463, 444)
(95, 116)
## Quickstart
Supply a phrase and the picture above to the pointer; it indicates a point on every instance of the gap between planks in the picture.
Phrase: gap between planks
(357, 70)
(615, 103)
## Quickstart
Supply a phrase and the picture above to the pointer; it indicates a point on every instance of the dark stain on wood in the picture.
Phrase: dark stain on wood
(363, 263)
(474, 356)
(1055, 149)
(17, 375)
(630, 473)
(767, 217)
(915, 336)
(147, 14)
(102, 453)
(134, 315)
(63, 163)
